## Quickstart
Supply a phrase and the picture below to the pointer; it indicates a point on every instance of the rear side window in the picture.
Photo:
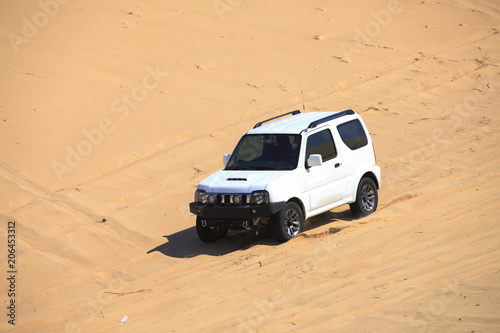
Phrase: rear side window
(321, 143)
(353, 134)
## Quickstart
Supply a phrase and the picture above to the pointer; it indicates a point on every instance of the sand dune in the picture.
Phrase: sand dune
(112, 112)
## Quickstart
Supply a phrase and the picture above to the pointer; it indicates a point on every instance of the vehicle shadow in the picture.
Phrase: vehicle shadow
(186, 244)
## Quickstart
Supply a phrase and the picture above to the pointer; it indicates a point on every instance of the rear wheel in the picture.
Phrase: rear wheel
(209, 234)
(366, 198)
(288, 222)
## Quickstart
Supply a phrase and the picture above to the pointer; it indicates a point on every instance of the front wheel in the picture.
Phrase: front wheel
(288, 222)
(366, 198)
(209, 234)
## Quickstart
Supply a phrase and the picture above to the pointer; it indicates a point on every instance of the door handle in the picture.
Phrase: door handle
(338, 164)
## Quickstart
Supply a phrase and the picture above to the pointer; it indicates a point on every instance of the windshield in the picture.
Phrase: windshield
(266, 152)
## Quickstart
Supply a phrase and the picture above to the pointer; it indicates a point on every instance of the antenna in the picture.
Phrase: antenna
(302, 94)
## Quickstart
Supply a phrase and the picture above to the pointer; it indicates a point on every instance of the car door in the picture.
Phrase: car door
(325, 184)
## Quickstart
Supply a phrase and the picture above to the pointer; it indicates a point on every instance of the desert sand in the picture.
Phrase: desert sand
(111, 112)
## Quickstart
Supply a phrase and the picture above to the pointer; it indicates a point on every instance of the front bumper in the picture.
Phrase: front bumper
(232, 212)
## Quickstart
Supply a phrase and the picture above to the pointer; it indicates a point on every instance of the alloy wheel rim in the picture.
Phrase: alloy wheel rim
(292, 222)
(368, 197)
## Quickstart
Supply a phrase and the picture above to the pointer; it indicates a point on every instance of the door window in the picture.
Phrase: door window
(321, 143)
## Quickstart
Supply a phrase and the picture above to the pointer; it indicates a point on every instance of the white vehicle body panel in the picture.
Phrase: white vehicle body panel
(317, 189)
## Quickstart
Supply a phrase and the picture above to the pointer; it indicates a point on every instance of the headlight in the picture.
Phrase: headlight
(259, 197)
(200, 196)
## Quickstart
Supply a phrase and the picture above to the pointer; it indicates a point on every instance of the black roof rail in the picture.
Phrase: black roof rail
(330, 117)
(293, 113)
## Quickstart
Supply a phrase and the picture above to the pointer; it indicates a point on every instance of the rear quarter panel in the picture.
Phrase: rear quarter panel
(357, 162)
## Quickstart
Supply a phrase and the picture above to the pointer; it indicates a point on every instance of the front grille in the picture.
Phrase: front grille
(225, 199)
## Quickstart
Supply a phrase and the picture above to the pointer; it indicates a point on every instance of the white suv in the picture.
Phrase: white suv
(288, 170)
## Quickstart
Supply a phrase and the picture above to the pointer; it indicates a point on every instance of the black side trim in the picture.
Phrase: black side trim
(331, 117)
(293, 113)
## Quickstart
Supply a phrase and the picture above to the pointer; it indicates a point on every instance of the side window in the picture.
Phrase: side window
(321, 143)
(353, 134)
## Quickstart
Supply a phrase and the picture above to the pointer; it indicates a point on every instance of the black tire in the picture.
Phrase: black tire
(288, 222)
(209, 234)
(366, 198)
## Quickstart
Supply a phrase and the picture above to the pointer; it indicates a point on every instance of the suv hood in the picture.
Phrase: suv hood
(240, 181)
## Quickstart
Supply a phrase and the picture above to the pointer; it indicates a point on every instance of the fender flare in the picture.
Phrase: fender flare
(372, 172)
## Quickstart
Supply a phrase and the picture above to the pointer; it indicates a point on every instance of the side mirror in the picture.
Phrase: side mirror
(225, 159)
(314, 160)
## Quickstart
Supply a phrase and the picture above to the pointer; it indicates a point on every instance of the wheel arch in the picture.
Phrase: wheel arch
(359, 205)
(372, 176)
(301, 205)
(353, 187)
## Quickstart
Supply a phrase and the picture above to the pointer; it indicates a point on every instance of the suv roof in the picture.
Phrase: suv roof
(297, 123)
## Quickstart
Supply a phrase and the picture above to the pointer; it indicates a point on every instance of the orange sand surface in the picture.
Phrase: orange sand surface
(111, 112)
